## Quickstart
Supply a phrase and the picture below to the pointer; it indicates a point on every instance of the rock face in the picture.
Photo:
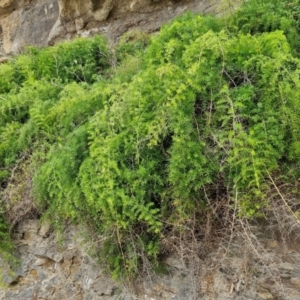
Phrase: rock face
(42, 22)
(51, 270)
(26, 22)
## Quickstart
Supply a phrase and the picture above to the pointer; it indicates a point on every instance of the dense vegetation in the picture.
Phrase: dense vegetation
(138, 140)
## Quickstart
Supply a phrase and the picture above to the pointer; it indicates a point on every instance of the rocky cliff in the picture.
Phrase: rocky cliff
(61, 267)
(249, 263)
(43, 22)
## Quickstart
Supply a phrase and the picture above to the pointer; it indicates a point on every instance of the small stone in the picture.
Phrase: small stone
(175, 262)
(33, 272)
(54, 255)
(102, 287)
(265, 296)
(41, 261)
(26, 236)
(58, 257)
(40, 251)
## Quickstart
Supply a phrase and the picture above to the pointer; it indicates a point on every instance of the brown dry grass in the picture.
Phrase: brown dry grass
(17, 201)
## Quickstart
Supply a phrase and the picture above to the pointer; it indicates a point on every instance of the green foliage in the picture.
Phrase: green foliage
(245, 91)
(20, 122)
(83, 60)
(6, 246)
(7, 259)
(168, 46)
(258, 16)
(157, 130)
(7, 78)
(57, 178)
(131, 43)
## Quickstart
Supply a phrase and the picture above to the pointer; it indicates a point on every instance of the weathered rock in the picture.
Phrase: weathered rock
(265, 296)
(41, 261)
(176, 263)
(33, 22)
(49, 271)
(295, 281)
(45, 229)
(102, 287)
(292, 295)
(26, 22)
(286, 267)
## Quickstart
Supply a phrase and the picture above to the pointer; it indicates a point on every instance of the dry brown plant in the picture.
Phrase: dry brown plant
(16, 197)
